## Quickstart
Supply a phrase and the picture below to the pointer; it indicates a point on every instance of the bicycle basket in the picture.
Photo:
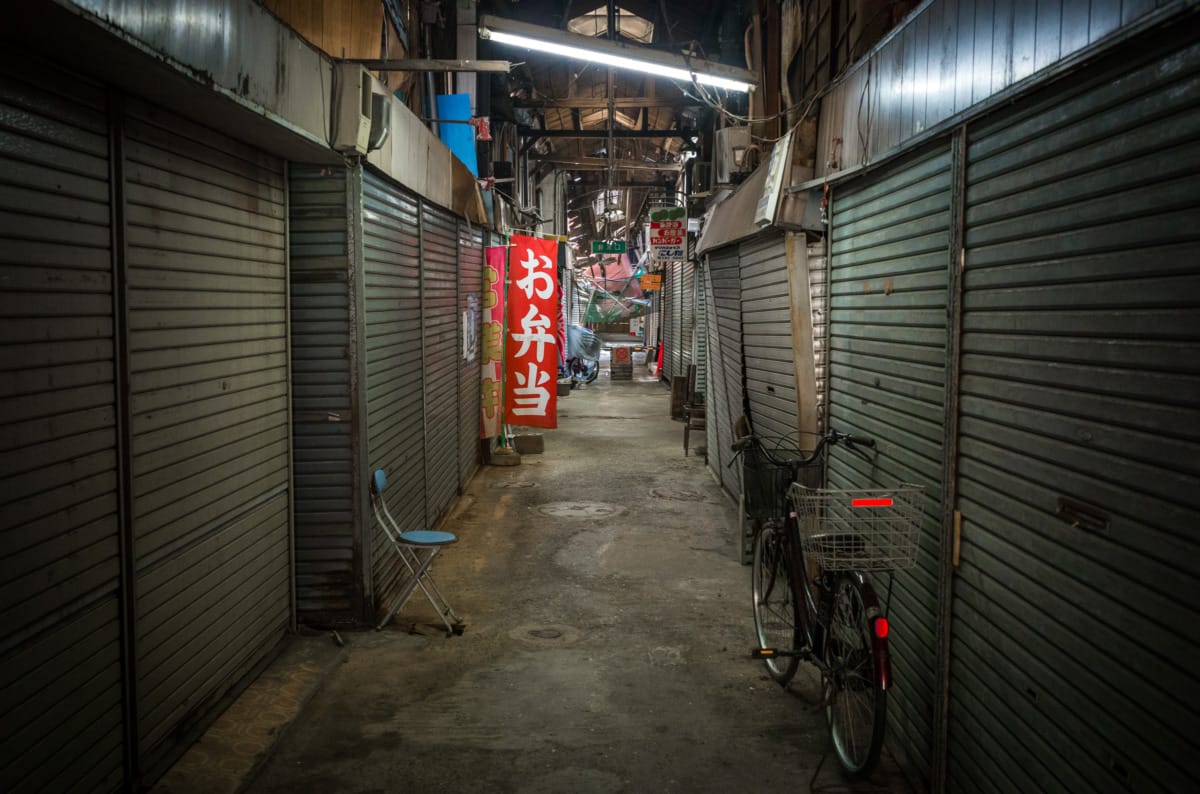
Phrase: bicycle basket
(765, 479)
(859, 530)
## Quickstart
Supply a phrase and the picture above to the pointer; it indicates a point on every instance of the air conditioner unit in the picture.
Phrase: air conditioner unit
(351, 108)
(730, 163)
(381, 120)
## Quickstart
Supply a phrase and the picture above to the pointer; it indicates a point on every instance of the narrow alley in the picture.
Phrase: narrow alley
(606, 648)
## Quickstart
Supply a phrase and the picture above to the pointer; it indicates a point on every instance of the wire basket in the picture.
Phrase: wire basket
(766, 475)
(859, 530)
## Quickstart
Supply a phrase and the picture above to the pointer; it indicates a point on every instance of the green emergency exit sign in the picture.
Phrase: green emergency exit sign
(608, 246)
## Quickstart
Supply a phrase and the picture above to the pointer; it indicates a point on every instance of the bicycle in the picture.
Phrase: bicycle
(833, 618)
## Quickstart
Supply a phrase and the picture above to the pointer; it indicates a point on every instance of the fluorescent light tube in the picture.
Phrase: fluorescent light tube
(603, 53)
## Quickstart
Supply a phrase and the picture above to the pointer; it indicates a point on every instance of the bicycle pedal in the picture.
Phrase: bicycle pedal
(771, 653)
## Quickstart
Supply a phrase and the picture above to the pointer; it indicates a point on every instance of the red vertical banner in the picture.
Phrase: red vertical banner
(491, 347)
(531, 337)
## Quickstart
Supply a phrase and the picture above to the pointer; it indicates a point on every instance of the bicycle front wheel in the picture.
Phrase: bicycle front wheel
(856, 707)
(776, 610)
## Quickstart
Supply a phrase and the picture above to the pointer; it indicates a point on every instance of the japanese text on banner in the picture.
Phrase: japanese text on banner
(531, 360)
(491, 346)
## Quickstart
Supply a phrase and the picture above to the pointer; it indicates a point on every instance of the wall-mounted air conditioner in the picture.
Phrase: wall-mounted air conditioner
(351, 108)
(381, 120)
(730, 162)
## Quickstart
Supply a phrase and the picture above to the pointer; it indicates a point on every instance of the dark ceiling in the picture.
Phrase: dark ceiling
(569, 100)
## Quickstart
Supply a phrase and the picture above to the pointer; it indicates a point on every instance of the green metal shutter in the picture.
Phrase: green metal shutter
(391, 257)
(767, 336)
(727, 323)
(818, 295)
(687, 316)
(888, 290)
(323, 426)
(666, 307)
(714, 383)
(60, 649)
(440, 325)
(470, 282)
(701, 330)
(206, 225)
(1074, 660)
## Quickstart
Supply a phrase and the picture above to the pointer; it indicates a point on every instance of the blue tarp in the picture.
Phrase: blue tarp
(459, 137)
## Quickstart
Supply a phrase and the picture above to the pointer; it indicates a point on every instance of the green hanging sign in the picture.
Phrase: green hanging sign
(668, 214)
(608, 246)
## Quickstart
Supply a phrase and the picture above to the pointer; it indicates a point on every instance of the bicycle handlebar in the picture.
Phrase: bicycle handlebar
(831, 438)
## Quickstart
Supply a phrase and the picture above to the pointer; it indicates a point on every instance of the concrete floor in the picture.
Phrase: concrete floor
(606, 649)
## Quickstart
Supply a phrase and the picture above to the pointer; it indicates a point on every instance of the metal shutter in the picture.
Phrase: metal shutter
(767, 335)
(209, 404)
(394, 380)
(687, 316)
(818, 294)
(323, 412)
(1074, 660)
(676, 351)
(715, 408)
(59, 537)
(727, 303)
(439, 315)
(665, 307)
(890, 248)
(470, 282)
(701, 329)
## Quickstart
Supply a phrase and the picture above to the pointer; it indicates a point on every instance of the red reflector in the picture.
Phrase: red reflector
(871, 502)
(881, 627)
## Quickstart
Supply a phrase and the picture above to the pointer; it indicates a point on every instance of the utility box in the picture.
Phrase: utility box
(352, 108)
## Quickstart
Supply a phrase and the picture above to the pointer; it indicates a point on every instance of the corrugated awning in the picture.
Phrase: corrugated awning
(733, 218)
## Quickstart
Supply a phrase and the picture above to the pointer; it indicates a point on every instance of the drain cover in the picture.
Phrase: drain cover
(677, 494)
(545, 634)
(583, 510)
(515, 484)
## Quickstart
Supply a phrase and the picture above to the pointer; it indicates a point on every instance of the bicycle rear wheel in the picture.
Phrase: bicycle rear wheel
(776, 610)
(856, 708)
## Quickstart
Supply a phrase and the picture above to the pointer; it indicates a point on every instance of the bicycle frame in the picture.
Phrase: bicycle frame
(811, 614)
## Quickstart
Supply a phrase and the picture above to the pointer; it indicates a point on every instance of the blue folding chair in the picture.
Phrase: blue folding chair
(416, 550)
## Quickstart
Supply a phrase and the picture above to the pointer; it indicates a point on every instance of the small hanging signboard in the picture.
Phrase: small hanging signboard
(668, 234)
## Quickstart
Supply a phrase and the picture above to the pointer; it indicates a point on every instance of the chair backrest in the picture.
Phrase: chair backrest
(378, 482)
(692, 397)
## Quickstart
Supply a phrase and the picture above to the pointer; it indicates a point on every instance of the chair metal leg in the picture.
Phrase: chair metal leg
(418, 568)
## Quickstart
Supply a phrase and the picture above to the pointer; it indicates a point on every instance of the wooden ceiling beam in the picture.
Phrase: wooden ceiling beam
(594, 103)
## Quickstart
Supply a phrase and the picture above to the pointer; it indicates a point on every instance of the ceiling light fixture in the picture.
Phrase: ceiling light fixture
(614, 53)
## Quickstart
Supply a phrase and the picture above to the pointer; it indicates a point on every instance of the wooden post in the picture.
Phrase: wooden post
(802, 340)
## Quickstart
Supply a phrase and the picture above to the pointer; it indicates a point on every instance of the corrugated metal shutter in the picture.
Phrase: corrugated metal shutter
(701, 330)
(767, 334)
(470, 282)
(687, 316)
(322, 409)
(727, 302)
(394, 378)
(1074, 660)
(818, 295)
(209, 384)
(665, 307)
(677, 299)
(715, 408)
(60, 650)
(439, 314)
(890, 248)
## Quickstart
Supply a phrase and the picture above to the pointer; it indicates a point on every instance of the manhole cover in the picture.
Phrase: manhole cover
(677, 494)
(584, 510)
(536, 635)
(515, 484)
